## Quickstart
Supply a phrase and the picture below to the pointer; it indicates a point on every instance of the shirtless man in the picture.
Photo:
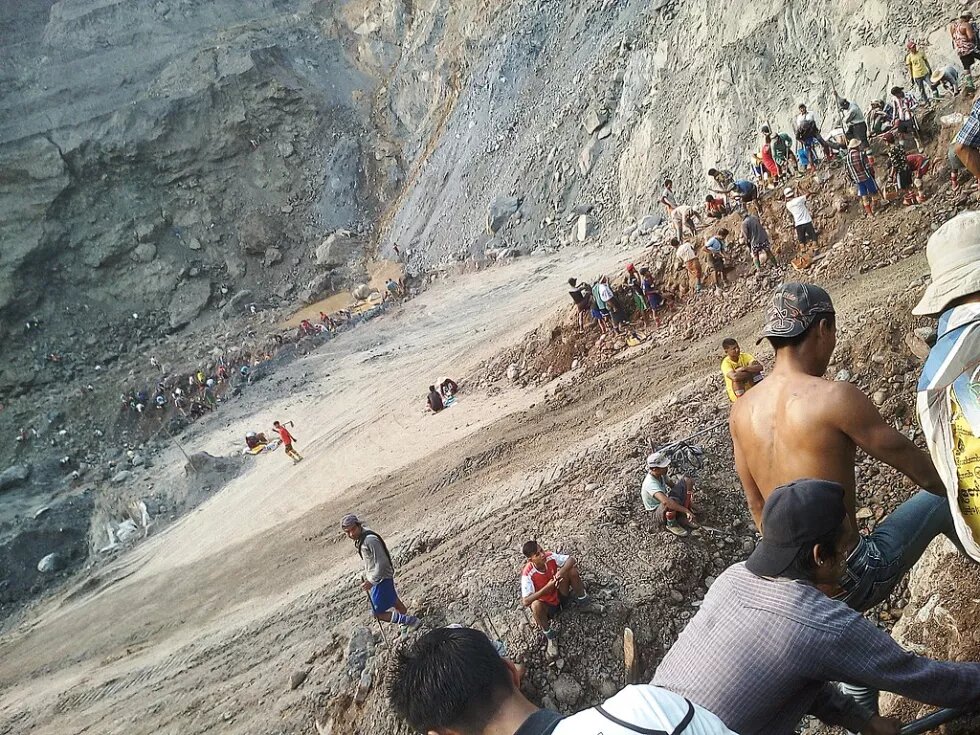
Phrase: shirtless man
(795, 424)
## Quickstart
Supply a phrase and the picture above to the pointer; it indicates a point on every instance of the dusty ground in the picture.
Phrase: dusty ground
(199, 627)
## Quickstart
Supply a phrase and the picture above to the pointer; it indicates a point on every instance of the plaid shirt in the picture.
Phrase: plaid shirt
(858, 166)
(969, 134)
(760, 654)
(956, 353)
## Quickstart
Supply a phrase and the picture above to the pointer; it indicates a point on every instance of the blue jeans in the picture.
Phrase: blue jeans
(881, 559)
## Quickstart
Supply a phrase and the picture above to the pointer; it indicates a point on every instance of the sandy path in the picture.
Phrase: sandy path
(358, 406)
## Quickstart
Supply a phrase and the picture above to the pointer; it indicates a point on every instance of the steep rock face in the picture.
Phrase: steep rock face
(146, 144)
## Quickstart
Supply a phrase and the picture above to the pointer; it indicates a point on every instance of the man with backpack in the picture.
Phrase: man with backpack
(808, 133)
(452, 681)
(379, 574)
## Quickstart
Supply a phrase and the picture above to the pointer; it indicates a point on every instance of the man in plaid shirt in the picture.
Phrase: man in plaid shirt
(859, 170)
(768, 641)
(967, 141)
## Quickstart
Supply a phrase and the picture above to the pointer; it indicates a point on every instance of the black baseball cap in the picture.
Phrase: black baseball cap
(794, 307)
(795, 514)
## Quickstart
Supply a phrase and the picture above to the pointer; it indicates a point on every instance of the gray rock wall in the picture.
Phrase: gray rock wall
(153, 151)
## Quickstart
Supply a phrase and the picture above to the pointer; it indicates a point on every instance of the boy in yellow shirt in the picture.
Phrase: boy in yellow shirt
(741, 370)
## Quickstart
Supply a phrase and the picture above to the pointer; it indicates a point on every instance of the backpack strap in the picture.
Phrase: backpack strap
(542, 722)
(681, 727)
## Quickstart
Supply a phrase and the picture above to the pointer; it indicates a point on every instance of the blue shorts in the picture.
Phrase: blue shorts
(383, 596)
(867, 188)
(596, 314)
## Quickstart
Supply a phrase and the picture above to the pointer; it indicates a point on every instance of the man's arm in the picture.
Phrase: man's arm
(753, 495)
(671, 504)
(865, 654)
(859, 419)
(527, 600)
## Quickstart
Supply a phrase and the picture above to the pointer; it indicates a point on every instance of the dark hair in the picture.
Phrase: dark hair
(897, 90)
(450, 678)
(667, 182)
(709, 198)
(572, 282)
(275, 423)
(529, 548)
(779, 342)
(729, 342)
(723, 232)
(803, 566)
(712, 172)
(432, 387)
(675, 242)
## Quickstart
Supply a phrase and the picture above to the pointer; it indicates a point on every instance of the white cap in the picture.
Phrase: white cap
(787, 192)
(954, 259)
(658, 459)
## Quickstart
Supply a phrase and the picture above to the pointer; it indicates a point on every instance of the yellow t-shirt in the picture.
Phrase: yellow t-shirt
(728, 365)
(920, 67)
(966, 451)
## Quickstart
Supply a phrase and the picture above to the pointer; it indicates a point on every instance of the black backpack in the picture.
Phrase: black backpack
(360, 542)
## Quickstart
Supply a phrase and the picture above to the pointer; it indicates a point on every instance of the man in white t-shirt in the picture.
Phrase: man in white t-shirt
(452, 681)
(802, 219)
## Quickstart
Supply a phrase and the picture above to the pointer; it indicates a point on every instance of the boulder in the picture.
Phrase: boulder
(14, 475)
(297, 678)
(238, 303)
(361, 292)
(336, 250)
(648, 224)
(587, 156)
(188, 301)
(513, 371)
(567, 690)
(582, 228)
(144, 252)
(501, 210)
(594, 119)
(121, 477)
(272, 256)
(316, 288)
(360, 648)
(51, 563)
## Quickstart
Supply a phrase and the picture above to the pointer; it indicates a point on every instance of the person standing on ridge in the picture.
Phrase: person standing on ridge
(287, 441)
(379, 574)
(919, 70)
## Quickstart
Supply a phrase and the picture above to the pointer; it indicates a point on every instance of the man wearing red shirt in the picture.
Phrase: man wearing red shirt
(546, 581)
(287, 441)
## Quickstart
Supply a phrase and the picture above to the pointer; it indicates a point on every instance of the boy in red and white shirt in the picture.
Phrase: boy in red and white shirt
(287, 441)
(547, 580)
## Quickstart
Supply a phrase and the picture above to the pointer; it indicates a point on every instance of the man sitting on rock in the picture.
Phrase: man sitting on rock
(797, 424)
(548, 579)
(669, 498)
(740, 369)
(769, 638)
(453, 681)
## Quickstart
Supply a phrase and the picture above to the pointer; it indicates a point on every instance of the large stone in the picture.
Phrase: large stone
(51, 563)
(593, 120)
(316, 288)
(188, 301)
(336, 250)
(582, 228)
(587, 156)
(359, 649)
(361, 292)
(567, 690)
(144, 252)
(648, 224)
(14, 475)
(501, 209)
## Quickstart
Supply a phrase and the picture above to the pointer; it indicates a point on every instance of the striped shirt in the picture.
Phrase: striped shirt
(957, 350)
(761, 653)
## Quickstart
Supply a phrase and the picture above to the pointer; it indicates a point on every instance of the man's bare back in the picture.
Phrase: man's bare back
(794, 425)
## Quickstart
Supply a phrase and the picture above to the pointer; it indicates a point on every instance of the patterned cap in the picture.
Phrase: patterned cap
(349, 521)
(794, 308)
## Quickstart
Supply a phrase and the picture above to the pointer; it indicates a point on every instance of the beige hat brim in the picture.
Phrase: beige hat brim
(956, 284)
